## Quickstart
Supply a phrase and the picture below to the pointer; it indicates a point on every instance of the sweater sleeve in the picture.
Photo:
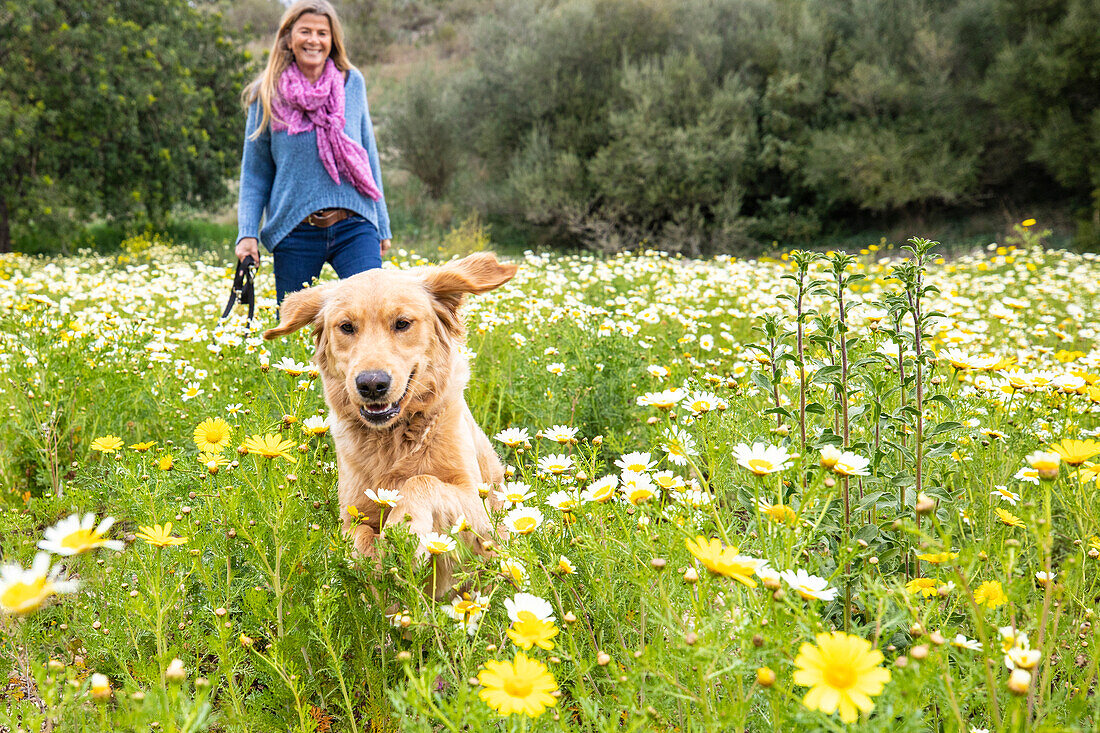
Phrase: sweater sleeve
(376, 170)
(257, 176)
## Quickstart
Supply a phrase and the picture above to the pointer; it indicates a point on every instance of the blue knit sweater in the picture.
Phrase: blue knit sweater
(283, 179)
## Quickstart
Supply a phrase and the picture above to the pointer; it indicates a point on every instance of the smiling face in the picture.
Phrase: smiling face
(310, 42)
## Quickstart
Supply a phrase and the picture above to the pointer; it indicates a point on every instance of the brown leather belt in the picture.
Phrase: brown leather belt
(327, 217)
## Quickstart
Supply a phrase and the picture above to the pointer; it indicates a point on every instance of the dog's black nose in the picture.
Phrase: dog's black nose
(372, 385)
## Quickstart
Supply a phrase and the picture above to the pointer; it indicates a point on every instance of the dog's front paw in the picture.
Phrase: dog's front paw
(364, 536)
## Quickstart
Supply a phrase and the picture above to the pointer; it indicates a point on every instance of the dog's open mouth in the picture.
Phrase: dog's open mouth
(380, 413)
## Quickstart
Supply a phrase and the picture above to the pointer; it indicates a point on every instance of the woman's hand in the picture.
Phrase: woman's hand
(384, 245)
(248, 246)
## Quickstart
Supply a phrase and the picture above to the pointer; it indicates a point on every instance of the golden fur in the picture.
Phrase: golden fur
(405, 324)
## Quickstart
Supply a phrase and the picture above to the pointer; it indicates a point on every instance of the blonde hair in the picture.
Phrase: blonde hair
(265, 86)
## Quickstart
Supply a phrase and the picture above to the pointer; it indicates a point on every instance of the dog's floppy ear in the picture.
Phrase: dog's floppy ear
(299, 309)
(477, 273)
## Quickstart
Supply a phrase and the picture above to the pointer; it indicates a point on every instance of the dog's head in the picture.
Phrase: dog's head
(386, 339)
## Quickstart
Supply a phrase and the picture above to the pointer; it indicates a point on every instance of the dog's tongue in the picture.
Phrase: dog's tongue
(378, 409)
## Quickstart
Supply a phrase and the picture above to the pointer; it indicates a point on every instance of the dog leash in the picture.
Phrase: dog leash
(243, 288)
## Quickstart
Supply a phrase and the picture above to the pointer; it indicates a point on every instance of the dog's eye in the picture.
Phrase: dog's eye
(401, 324)
(347, 327)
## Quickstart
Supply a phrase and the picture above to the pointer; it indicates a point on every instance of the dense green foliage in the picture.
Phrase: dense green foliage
(121, 108)
(705, 125)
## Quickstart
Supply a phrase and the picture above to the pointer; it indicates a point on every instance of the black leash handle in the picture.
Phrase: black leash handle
(244, 288)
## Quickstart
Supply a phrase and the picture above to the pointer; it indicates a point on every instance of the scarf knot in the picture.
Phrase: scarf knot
(301, 106)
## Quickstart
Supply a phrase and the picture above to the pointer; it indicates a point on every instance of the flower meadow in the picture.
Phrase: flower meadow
(815, 491)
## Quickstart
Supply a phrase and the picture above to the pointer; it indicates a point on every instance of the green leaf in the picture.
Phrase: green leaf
(826, 375)
(943, 427)
(762, 381)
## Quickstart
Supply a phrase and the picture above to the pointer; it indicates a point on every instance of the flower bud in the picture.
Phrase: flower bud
(765, 677)
(175, 671)
(1019, 681)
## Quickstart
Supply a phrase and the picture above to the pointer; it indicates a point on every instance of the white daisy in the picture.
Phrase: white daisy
(514, 571)
(762, 459)
(665, 400)
(1004, 494)
(638, 488)
(539, 607)
(291, 367)
(702, 402)
(555, 463)
(385, 497)
(635, 462)
(601, 490)
(562, 434)
(438, 544)
(25, 590)
(467, 610)
(810, 587)
(513, 437)
(962, 642)
(514, 492)
(852, 464)
(562, 501)
(74, 535)
(523, 520)
(315, 425)
(679, 445)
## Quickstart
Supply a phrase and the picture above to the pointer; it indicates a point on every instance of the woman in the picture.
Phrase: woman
(310, 164)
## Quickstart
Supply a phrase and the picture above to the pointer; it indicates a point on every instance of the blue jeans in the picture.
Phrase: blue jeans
(351, 246)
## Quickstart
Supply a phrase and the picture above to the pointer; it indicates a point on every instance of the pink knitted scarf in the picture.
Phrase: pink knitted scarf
(301, 106)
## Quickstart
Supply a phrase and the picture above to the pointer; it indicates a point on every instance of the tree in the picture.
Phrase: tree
(115, 107)
(1046, 84)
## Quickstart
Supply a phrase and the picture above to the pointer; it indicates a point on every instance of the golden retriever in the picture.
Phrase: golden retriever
(388, 348)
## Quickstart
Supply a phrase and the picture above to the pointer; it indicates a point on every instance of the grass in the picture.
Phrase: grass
(642, 379)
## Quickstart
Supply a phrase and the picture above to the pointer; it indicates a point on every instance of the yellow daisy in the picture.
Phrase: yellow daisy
(520, 686)
(530, 631)
(1009, 518)
(269, 446)
(107, 444)
(212, 435)
(160, 536)
(842, 671)
(724, 560)
(1076, 452)
(991, 594)
(925, 586)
